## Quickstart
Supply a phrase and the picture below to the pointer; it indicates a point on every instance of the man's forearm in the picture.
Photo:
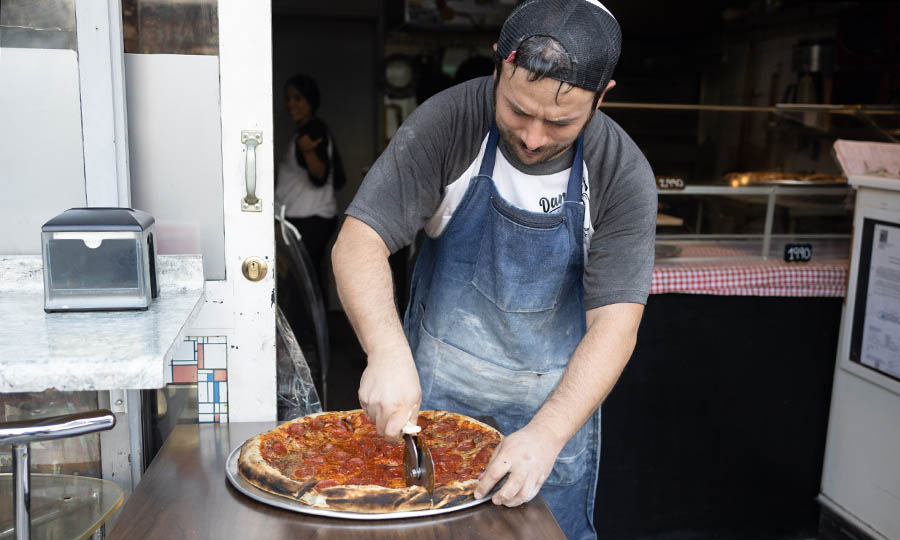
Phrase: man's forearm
(365, 286)
(593, 370)
(389, 389)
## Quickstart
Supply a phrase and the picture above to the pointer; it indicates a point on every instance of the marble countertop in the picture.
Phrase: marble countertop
(99, 350)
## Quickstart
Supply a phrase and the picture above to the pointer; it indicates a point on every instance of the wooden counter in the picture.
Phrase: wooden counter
(184, 494)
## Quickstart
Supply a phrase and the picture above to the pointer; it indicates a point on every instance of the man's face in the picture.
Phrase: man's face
(539, 120)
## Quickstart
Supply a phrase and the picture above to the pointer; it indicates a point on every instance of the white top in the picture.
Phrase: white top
(92, 350)
(300, 197)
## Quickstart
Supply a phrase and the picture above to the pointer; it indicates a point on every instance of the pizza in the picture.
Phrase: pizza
(336, 461)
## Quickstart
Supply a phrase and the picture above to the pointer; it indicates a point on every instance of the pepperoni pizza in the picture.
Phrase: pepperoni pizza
(336, 461)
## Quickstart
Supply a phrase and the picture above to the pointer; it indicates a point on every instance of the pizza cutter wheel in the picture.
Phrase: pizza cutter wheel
(418, 466)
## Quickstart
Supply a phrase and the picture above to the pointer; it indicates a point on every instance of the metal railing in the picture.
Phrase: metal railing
(22, 433)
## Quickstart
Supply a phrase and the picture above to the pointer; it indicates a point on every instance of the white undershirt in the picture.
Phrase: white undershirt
(535, 193)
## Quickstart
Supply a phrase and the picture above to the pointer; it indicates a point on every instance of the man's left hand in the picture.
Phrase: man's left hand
(528, 457)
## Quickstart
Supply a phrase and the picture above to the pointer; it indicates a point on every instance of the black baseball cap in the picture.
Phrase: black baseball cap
(585, 28)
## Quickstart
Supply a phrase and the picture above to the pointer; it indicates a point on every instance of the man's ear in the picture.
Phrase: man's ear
(609, 86)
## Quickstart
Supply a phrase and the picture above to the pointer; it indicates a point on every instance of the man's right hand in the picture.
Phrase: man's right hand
(389, 392)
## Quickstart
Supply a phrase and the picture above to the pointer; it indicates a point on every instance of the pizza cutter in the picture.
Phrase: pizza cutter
(418, 467)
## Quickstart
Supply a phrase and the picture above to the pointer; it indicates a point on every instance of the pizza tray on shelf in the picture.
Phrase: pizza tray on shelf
(241, 484)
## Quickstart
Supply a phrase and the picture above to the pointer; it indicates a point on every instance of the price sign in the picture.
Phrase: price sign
(798, 252)
(669, 182)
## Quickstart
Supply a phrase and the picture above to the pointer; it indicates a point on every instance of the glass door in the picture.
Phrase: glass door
(198, 76)
(40, 112)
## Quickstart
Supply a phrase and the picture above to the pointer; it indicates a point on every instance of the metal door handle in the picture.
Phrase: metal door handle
(251, 139)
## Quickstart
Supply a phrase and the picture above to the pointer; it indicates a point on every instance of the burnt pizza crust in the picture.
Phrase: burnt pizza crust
(454, 493)
(266, 477)
(366, 499)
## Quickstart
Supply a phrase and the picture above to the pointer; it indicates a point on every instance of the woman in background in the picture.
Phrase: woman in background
(309, 173)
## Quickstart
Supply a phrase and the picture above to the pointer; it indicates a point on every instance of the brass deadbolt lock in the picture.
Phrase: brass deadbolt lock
(254, 268)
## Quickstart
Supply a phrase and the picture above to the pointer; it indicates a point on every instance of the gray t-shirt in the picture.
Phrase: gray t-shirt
(417, 181)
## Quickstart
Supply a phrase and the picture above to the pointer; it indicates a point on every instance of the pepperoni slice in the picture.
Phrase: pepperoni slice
(297, 430)
(483, 456)
(367, 448)
(305, 472)
(356, 462)
(278, 449)
(465, 445)
(444, 427)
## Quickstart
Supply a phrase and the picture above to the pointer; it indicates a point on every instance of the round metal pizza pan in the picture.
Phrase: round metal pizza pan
(248, 489)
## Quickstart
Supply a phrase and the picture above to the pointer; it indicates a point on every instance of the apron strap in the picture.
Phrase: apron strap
(573, 191)
(490, 153)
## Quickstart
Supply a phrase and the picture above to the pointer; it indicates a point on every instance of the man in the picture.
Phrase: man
(537, 261)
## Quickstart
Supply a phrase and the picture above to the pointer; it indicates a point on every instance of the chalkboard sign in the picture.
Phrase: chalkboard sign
(798, 252)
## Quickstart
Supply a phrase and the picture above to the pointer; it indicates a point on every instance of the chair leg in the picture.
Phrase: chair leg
(22, 494)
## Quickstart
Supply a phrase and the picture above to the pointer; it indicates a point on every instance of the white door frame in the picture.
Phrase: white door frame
(104, 125)
(240, 309)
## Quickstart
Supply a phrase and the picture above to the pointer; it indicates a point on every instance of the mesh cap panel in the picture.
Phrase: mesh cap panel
(586, 29)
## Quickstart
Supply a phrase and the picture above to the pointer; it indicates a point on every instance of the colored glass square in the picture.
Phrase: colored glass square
(184, 374)
(220, 375)
(184, 351)
(214, 356)
(200, 355)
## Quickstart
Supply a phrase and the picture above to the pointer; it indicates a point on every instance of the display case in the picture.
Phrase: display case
(793, 223)
(744, 183)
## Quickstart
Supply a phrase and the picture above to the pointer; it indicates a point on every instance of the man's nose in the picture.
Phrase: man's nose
(534, 136)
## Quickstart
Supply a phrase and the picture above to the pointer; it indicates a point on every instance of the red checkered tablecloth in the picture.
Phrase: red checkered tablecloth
(752, 278)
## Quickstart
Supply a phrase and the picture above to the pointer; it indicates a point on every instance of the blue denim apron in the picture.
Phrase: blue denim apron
(496, 311)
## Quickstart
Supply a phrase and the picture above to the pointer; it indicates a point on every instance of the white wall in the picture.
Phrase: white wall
(175, 152)
(41, 157)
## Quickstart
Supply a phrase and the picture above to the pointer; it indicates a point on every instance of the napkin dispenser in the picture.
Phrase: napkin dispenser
(99, 259)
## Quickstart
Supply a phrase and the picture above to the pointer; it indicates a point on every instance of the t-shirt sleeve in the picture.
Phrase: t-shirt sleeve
(403, 188)
(620, 258)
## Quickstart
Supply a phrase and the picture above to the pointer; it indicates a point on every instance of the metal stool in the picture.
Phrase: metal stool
(22, 433)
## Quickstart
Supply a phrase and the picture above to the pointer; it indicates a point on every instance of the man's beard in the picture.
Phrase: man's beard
(543, 154)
